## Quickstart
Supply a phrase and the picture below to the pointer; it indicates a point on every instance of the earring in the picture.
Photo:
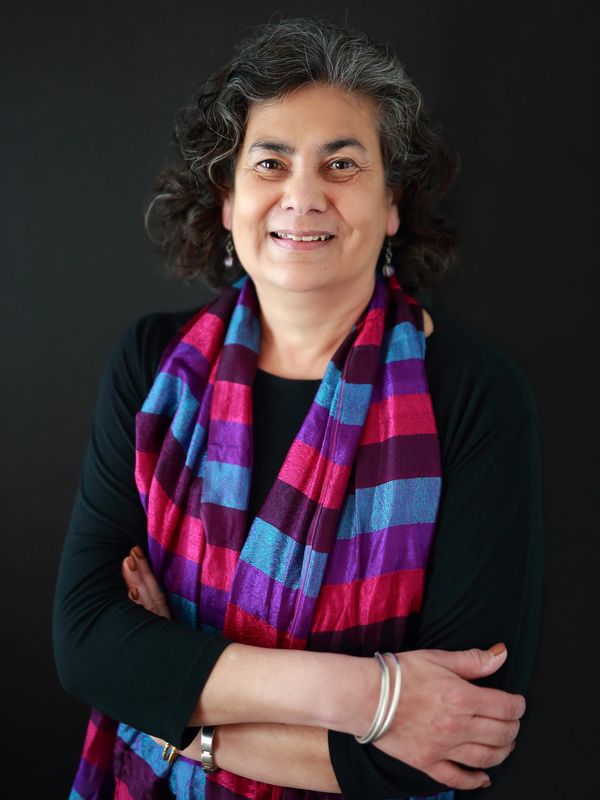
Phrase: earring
(228, 260)
(388, 270)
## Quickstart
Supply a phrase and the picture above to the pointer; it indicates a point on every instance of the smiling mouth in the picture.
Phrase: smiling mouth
(317, 237)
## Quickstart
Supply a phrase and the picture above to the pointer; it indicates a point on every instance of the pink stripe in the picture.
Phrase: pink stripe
(181, 534)
(121, 791)
(206, 336)
(370, 600)
(98, 746)
(245, 628)
(314, 475)
(145, 464)
(242, 787)
(399, 415)
(232, 402)
(372, 331)
(218, 567)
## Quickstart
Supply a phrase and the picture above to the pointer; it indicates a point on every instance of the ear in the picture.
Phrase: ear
(226, 214)
(393, 221)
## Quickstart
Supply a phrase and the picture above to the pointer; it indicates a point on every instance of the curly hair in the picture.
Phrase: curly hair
(183, 217)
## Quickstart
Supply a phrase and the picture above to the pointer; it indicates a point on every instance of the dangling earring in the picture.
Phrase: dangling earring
(388, 270)
(228, 260)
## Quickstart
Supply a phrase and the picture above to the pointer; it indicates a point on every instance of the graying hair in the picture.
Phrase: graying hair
(183, 217)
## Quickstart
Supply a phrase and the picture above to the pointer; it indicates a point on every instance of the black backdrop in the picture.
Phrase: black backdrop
(89, 92)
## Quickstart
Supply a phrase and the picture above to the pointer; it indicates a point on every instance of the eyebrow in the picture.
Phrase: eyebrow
(323, 149)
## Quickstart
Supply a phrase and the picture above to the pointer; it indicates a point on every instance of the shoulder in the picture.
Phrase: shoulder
(477, 390)
(463, 367)
(136, 355)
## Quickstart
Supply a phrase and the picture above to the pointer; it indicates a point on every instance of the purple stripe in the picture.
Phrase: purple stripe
(93, 783)
(401, 377)
(230, 443)
(314, 433)
(372, 554)
(171, 466)
(224, 527)
(282, 602)
(415, 456)
(191, 366)
(362, 364)
(101, 721)
(363, 640)
(139, 777)
(292, 511)
(150, 431)
(175, 573)
(237, 364)
(403, 311)
(213, 604)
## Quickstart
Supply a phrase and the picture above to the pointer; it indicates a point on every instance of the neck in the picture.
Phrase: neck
(302, 330)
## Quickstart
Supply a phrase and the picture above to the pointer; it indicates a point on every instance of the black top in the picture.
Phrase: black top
(483, 582)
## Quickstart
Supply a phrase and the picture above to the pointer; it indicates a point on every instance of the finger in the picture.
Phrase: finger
(493, 732)
(496, 704)
(129, 576)
(480, 756)
(151, 595)
(470, 664)
(453, 775)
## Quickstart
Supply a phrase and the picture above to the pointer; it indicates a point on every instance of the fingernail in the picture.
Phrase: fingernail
(486, 785)
(134, 593)
(131, 563)
(512, 747)
(498, 649)
(138, 551)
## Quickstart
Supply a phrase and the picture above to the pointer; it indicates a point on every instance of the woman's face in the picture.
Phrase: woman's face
(310, 165)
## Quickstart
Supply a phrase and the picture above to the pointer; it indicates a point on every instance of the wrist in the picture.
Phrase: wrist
(355, 696)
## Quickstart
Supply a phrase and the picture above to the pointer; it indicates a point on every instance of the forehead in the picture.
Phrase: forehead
(314, 114)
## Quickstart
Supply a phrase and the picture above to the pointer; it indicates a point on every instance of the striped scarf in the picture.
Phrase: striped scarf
(335, 559)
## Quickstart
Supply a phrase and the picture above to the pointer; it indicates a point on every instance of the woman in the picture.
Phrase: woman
(324, 470)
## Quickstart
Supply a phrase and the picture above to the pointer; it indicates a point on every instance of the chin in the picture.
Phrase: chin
(297, 278)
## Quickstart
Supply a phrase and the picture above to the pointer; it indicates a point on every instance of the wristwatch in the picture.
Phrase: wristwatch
(206, 742)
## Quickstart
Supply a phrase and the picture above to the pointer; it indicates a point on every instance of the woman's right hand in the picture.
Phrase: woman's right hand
(444, 722)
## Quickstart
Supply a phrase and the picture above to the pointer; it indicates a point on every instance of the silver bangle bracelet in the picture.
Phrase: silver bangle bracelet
(382, 705)
(395, 697)
(206, 743)
(383, 720)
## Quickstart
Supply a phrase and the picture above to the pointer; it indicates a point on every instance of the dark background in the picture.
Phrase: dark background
(88, 96)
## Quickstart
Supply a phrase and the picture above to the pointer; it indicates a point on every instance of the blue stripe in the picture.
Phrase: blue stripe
(196, 448)
(186, 780)
(347, 526)
(226, 484)
(329, 387)
(355, 403)
(404, 341)
(243, 328)
(183, 609)
(283, 559)
(401, 502)
(164, 395)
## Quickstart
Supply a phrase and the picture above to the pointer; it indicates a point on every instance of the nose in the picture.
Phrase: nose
(303, 192)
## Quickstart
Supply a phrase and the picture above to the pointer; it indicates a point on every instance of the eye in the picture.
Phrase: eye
(269, 164)
(341, 164)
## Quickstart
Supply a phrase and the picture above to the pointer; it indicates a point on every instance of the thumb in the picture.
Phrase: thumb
(473, 663)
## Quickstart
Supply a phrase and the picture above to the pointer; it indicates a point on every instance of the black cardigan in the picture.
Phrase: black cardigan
(483, 582)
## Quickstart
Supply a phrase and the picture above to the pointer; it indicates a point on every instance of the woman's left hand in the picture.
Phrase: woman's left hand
(142, 586)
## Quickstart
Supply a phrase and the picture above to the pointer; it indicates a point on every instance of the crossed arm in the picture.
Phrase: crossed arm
(462, 723)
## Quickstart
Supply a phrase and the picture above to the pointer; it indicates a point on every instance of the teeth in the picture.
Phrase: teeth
(321, 238)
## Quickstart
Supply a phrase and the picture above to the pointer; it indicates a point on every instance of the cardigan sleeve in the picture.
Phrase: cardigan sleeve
(110, 653)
